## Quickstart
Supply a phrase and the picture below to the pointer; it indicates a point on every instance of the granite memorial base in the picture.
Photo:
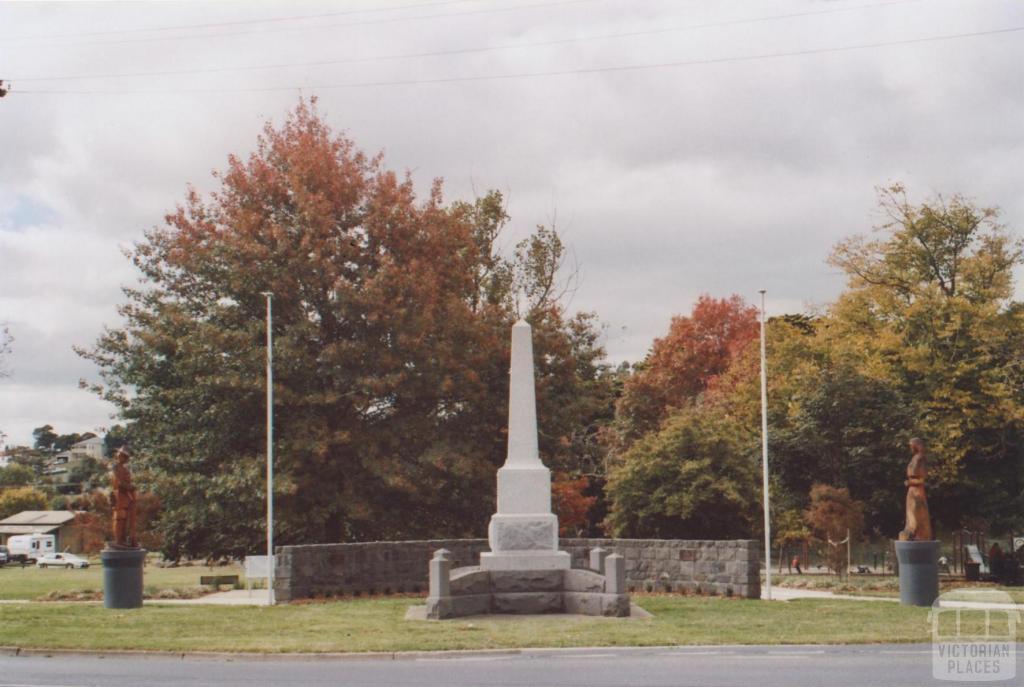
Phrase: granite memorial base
(478, 591)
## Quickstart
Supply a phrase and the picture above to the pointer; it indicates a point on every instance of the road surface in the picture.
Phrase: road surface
(834, 666)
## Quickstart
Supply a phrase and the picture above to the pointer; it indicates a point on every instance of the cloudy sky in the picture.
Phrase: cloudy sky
(684, 146)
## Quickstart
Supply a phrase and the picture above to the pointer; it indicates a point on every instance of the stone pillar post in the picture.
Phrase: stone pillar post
(615, 574)
(597, 556)
(439, 600)
(615, 600)
(440, 573)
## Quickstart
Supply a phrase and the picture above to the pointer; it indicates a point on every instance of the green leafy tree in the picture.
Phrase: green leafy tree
(831, 424)
(44, 437)
(18, 499)
(87, 472)
(789, 533)
(929, 312)
(31, 458)
(65, 441)
(116, 437)
(696, 478)
(391, 325)
(16, 475)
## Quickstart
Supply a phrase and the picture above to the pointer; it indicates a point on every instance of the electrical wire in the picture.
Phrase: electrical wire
(461, 51)
(542, 74)
(318, 27)
(239, 22)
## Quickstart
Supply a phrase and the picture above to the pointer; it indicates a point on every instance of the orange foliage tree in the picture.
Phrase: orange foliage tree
(391, 324)
(570, 503)
(680, 365)
(831, 514)
(93, 524)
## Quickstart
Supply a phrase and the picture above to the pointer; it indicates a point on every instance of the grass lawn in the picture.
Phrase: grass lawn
(31, 582)
(379, 625)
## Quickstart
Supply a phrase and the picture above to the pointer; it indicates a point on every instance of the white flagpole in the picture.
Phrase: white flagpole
(270, 450)
(764, 457)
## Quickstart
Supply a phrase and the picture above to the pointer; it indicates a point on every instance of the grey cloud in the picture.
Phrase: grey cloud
(667, 183)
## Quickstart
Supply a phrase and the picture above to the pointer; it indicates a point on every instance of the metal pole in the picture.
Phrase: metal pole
(847, 553)
(270, 450)
(764, 459)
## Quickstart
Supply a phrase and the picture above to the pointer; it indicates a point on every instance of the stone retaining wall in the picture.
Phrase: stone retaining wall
(678, 565)
(727, 567)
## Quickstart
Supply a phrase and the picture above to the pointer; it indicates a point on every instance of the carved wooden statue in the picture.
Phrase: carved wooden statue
(919, 524)
(124, 502)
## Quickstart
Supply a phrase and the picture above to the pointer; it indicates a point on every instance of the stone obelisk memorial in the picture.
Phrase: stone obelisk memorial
(524, 572)
(523, 534)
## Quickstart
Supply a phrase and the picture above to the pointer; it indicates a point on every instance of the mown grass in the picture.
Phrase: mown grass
(32, 583)
(361, 625)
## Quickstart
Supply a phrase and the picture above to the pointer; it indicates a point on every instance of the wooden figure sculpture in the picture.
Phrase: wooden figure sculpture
(919, 525)
(124, 502)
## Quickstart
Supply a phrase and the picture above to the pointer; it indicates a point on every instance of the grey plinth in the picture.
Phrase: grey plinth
(476, 591)
(122, 577)
(919, 572)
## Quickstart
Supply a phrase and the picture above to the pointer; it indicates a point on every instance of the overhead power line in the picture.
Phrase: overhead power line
(238, 22)
(463, 51)
(318, 27)
(540, 74)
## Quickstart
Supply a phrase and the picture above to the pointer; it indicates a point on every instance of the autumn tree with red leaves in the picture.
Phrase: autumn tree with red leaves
(832, 515)
(680, 366)
(684, 447)
(391, 325)
(571, 504)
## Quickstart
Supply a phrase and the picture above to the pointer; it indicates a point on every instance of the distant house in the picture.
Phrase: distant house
(92, 447)
(57, 522)
(60, 466)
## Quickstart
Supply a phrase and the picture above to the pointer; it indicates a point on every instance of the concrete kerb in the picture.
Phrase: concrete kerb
(253, 656)
(421, 655)
(383, 655)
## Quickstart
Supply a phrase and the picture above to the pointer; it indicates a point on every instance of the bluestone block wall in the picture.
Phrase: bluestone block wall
(729, 568)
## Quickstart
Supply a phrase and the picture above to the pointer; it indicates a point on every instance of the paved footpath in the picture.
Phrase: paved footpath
(235, 597)
(761, 666)
(788, 594)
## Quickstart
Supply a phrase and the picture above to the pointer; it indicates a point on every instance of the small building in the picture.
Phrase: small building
(92, 447)
(60, 467)
(56, 522)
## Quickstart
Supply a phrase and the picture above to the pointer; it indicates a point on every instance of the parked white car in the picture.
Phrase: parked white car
(61, 560)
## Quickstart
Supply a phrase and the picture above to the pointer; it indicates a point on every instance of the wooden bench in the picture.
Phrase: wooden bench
(216, 581)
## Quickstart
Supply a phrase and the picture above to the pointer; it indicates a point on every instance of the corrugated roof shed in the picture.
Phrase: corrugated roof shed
(37, 518)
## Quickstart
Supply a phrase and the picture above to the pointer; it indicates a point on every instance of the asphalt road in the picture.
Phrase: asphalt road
(835, 666)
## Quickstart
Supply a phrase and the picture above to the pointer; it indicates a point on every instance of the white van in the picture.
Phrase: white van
(29, 548)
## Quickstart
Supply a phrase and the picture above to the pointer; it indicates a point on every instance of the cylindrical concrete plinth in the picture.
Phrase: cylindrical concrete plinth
(122, 577)
(919, 572)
